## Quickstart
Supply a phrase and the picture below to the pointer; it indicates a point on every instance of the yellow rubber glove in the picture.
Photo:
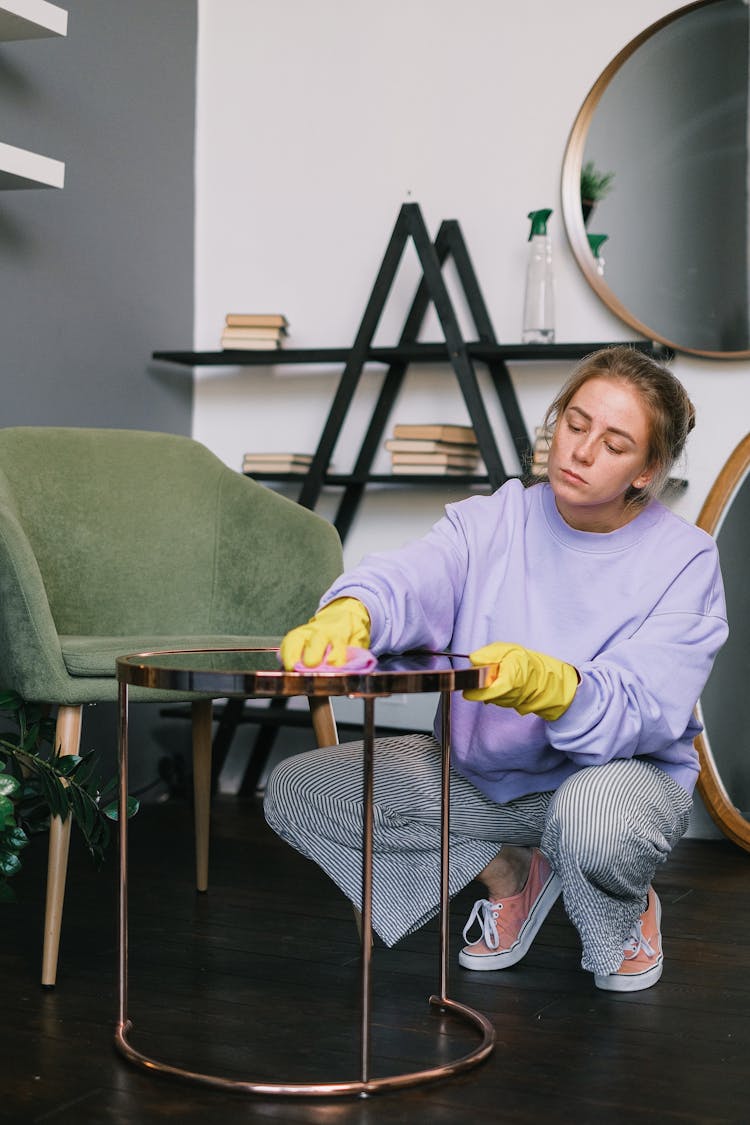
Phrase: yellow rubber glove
(528, 681)
(342, 622)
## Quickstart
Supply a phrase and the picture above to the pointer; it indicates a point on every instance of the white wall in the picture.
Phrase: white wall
(316, 121)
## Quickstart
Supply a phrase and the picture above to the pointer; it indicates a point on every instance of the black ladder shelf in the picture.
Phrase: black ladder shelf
(432, 257)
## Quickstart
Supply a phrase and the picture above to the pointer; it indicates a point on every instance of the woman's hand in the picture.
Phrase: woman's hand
(341, 623)
(529, 681)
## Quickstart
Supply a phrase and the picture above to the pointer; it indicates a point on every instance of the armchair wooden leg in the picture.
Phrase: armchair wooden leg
(323, 720)
(67, 741)
(202, 714)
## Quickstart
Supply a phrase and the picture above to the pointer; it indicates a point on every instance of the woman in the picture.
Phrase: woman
(573, 770)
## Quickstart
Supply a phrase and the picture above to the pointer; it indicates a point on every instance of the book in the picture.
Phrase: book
(274, 467)
(303, 458)
(232, 344)
(256, 320)
(540, 451)
(280, 455)
(424, 445)
(275, 463)
(262, 333)
(430, 470)
(437, 431)
(457, 460)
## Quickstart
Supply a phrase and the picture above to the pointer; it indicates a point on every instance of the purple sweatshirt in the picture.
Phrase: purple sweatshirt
(639, 611)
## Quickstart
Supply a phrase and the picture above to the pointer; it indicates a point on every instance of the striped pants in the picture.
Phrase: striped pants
(604, 831)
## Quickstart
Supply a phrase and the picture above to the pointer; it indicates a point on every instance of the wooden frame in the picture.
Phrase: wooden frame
(570, 189)
(710, 784)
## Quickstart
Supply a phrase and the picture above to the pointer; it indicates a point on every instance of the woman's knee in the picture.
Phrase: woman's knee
(323, 779)
(287, 790)
(588, 821)
(278, 786)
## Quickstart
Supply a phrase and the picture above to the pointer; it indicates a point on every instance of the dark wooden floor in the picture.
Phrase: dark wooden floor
(259, 980)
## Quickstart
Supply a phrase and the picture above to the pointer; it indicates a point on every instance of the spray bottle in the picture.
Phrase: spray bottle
(539, 303)
(596, 241)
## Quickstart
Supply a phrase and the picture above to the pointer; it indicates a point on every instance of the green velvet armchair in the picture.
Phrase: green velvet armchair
(119, 541)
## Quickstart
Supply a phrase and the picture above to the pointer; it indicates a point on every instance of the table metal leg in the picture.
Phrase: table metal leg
(445, 814)
(122, 824)
(367, 826)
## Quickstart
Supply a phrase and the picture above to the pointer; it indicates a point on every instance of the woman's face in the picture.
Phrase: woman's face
(599, 449)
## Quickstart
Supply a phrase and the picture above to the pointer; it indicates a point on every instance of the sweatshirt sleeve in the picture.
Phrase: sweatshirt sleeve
(412, 593)
(637, 697)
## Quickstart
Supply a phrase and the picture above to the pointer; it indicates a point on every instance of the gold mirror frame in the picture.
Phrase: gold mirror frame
(571, 191)
(710, 784)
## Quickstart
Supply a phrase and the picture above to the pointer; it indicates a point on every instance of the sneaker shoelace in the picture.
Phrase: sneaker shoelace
(486, 913)
(636, 942)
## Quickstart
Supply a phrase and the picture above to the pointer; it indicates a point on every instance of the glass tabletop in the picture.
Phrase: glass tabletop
(258, 672)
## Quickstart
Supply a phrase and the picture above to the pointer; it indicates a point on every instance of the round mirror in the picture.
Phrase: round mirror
(655, 181)
(724, 746)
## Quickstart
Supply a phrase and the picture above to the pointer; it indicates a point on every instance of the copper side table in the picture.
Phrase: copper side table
(248, 673)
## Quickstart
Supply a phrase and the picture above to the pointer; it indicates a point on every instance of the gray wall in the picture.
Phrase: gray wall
(96, 276)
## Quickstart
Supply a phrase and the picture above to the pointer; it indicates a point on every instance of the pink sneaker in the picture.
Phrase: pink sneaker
(644, 958)
(510, 925)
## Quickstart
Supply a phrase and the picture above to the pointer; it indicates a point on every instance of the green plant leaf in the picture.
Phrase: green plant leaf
(55, 793)
(595, 184)
(98, 838)
(85, 771)
(107, 787)
(8, 786)
(10, 864)
(112, 810)
(30, 739)
(7, 812)
(14, 839)
(37, 782)
(101, 841)
(85, 811)
(65, 764)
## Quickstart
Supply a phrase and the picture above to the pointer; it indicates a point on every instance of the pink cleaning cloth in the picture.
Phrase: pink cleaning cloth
(357, 660)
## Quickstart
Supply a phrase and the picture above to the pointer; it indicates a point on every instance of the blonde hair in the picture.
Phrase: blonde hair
(670, 412)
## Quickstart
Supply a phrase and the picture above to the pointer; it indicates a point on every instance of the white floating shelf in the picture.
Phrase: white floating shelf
(22, 169)
(31, 19)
